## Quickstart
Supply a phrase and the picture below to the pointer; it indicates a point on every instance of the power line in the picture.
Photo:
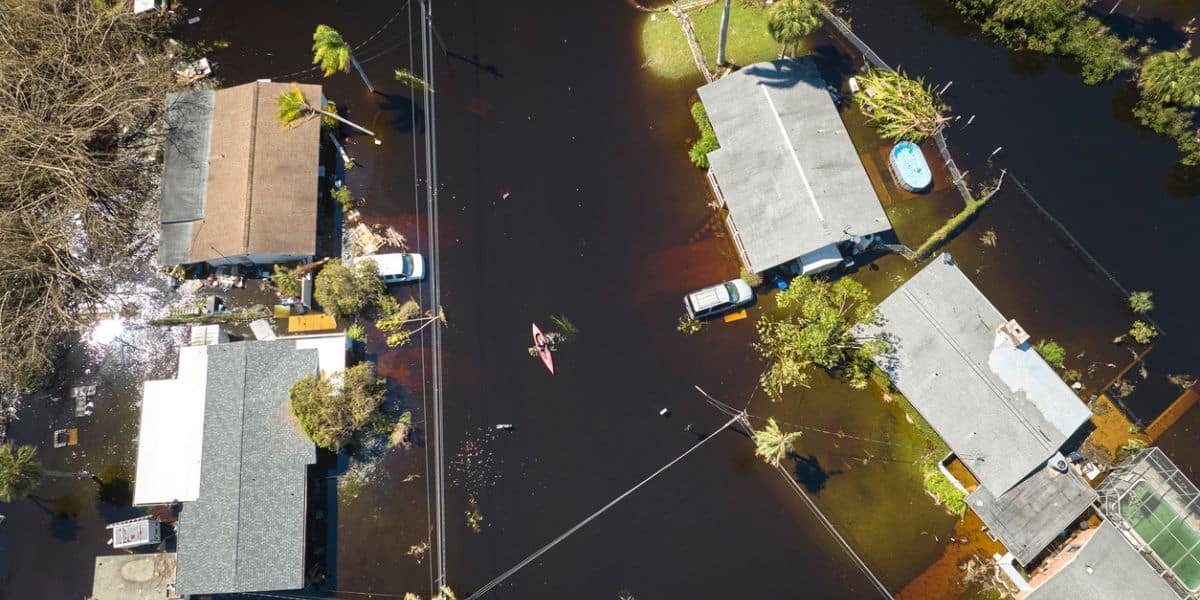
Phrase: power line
(812, 506)
(540, 551)
(431, 197)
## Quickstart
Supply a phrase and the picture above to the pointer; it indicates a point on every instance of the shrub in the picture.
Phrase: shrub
(708, 138)
(751, 278)
(1173, 122)
(1130, 448)
(357, 332)
(947, 494)
(344, 198)
(332, 410)
(1052, 353)
(1141, 302)
(1141, 332)
(698, 153)
(347, 289)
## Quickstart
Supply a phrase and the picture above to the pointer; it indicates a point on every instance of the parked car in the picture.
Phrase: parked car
(399, 267)
(718, 299)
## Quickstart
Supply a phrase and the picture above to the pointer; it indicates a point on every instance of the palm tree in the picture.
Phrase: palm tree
(294, 107)
(898, 107)
(772, 444)
(1171, 78)
(721, 61)
(334, 54)
(791, 20)
(20, 471)
(411, 80)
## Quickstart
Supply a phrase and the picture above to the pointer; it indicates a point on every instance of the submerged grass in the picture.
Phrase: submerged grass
(936, 483)
(748, 41)
(664, 47)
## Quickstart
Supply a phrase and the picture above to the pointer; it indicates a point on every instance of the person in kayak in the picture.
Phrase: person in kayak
(540, 341)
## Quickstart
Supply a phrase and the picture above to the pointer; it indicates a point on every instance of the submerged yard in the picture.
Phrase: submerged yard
(609, 239)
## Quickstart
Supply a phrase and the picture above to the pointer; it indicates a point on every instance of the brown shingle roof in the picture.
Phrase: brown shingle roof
(262, 179)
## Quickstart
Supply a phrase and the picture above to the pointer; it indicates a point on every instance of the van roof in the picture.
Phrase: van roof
(709, 297)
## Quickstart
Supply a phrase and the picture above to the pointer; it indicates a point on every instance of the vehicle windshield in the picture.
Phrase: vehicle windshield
(733, 293)
(406, 264)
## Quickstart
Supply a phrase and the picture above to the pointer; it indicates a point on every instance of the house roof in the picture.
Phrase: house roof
(1029, 516)
(999, 407)
(171, 432)
(234, 181)
(1106, 568)
(787, 169)
(246, 530)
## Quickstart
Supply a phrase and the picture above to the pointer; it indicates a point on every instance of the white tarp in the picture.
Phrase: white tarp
(141, 6)
(171, 433)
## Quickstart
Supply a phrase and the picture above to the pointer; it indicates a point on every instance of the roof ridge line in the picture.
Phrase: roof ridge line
(975, 367)
(237, 539)
(250, 168)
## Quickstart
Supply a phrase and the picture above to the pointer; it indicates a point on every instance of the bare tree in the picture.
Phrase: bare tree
(83, 91)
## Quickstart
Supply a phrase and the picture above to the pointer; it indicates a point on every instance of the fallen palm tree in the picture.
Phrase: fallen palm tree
(900, 108)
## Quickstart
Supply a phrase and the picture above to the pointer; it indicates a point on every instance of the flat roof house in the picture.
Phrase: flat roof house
(221, 440)
(237, 188)
(786, 170)
(1001, 409)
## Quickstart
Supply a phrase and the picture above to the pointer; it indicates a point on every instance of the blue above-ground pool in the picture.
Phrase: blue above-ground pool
(909, 166)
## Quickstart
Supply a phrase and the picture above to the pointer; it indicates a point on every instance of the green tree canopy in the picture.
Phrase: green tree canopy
(20, 471)
(790, 21)
(1171, 78)
(900, 108)
(331, 410)
(773, 445)
(330, 51)
(345, 289)
(815, 330)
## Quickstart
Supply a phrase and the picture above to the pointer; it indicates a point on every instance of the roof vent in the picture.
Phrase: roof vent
(1014, 332)
(1058, 462)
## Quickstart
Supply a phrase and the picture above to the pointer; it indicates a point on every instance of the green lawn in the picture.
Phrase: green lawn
(664, 48)
(748, 41)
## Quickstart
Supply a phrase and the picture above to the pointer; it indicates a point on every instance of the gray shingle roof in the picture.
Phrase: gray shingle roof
(1029, 516)
(1106, 568)
(1000, 408)
(788, 171)
(246, 532)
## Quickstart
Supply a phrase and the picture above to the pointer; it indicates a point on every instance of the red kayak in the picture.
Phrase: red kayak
(542, 346)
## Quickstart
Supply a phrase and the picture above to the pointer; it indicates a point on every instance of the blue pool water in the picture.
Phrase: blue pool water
(909, 166)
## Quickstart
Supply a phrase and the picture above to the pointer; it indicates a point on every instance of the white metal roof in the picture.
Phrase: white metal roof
(171, 431)
(789, 173)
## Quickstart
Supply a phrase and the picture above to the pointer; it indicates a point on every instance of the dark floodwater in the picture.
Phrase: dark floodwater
(605, 223)
(1117, 186)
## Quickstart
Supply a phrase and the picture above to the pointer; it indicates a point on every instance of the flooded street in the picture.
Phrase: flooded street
(566, 194)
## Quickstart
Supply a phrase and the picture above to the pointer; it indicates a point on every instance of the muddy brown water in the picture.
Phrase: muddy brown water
(605, 222)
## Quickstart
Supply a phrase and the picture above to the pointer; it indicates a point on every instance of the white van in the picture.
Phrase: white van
(718, 299)
(399, 267)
